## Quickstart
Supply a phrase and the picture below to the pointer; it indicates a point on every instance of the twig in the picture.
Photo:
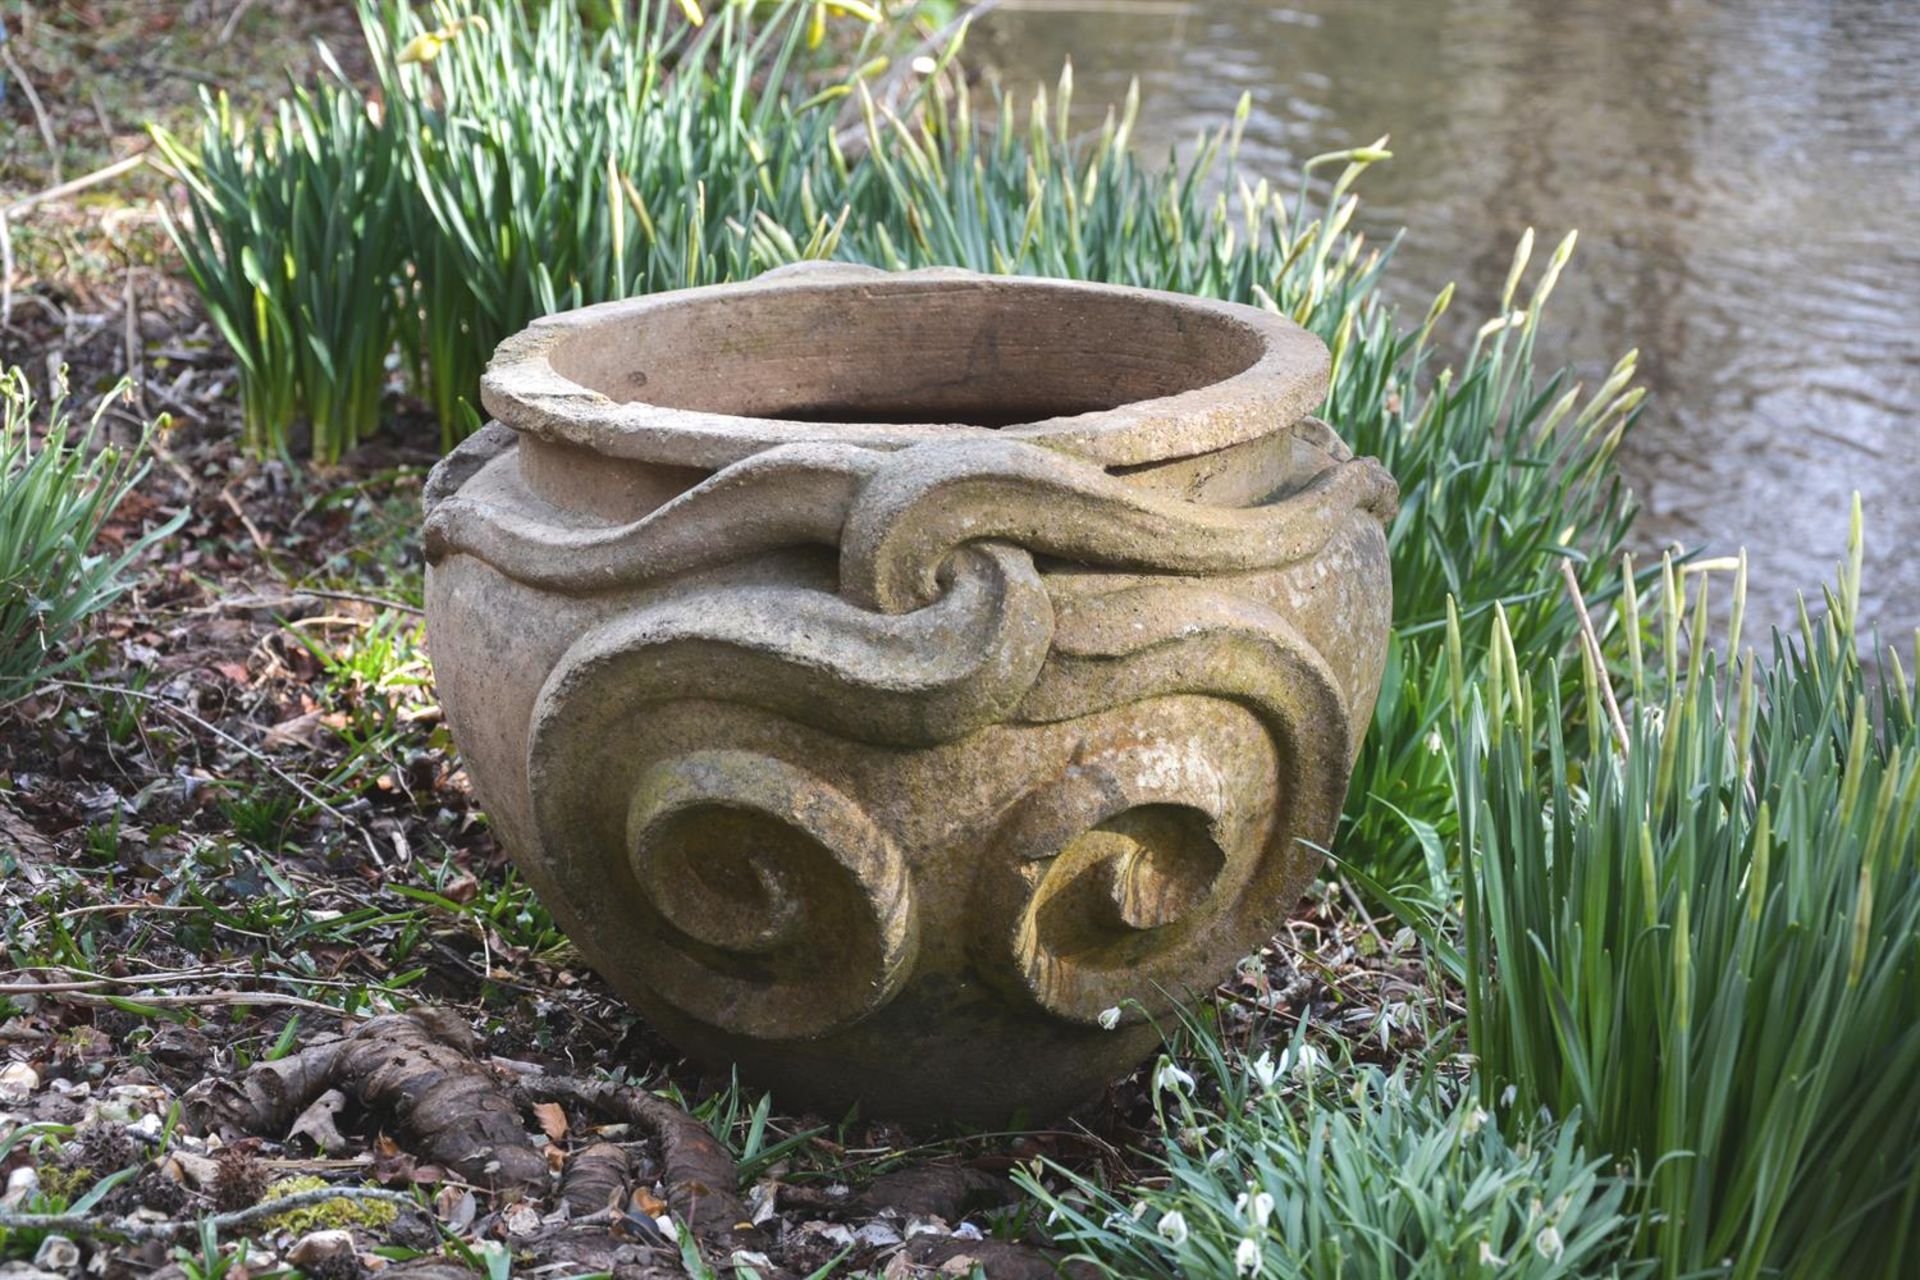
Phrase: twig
(1255, 1003)
(1593, 651)
(253, 753)
(136, 362)
(185, 73)
(125, 908)
(295, 595)
(157, 442)
(487, 975)
(81, 1224)
(98, 1001)
(106, 173)
(1365, 917)
(39, 109)
(357, 598)
(6, 270)
(260, 542)
(233, 21)
(94, 983)
(100, 115)
(86, 980)
(165, 395)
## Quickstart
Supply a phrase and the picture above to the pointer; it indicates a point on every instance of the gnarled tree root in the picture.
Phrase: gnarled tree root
(421, 1068)
(418, 1067)
(699, 1174)
(595, 1179)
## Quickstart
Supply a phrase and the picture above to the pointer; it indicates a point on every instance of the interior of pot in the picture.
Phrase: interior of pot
(985, 353)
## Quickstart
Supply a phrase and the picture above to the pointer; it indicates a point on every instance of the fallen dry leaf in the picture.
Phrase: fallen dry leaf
(301, 731)
(553, 1119)
(318, 1122)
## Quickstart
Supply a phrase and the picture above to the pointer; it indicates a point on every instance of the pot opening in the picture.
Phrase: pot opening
(984, 353)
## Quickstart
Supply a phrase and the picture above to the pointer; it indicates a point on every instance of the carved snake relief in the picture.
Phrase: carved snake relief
(1102, 884)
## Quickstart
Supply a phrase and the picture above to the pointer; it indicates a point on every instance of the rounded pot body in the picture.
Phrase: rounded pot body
(905, 686)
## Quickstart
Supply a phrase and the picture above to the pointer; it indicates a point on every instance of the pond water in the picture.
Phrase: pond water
(1745, 178)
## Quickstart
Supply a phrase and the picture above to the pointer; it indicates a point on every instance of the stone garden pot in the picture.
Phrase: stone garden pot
(890, 681)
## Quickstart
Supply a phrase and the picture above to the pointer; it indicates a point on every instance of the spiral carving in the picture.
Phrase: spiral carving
(779, 909)
(1154, 863)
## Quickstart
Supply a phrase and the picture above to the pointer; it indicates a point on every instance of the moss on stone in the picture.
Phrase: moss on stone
(65, 1185)
(328, 1215)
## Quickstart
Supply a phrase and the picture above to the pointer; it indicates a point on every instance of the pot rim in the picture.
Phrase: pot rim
(1286, 379)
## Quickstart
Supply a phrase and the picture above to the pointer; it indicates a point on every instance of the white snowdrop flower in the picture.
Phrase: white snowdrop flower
(1170, 1076)
(1173, 1226)
(1240, 1204)
(1265, 1070)
(1434, 745)
(1309, 1061)
(1476, 1120)
(1391, 1016)
(1548, 1244)
(1488, 1258)
(1246, 1258)
(1139, 1210)
(1110, 1018)
(1508, 1094)
(1262, 1210)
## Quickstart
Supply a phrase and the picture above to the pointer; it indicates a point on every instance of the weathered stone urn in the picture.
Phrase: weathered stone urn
(884, 677)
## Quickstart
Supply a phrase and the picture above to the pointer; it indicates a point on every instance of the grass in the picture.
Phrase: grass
(291, 242)
(1689, 940)
(1288, 1169)
(59, 488)
(549, 165)
(522, 159)
(1703, 939)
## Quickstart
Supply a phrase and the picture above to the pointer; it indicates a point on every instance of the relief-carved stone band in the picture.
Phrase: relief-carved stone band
(908, 661)
(898, 516)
